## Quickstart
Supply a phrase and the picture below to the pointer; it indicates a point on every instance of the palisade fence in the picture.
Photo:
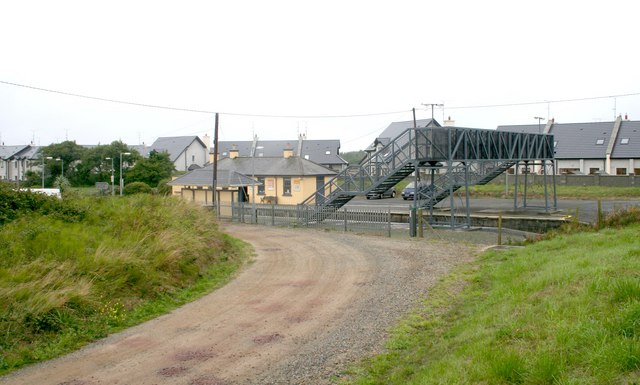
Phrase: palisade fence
(376, 221)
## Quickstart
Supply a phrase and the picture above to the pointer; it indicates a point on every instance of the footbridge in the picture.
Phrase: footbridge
(446, 159)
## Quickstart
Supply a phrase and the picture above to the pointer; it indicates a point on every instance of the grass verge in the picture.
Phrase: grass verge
(66, 280)
(493, 190)
(565, 310)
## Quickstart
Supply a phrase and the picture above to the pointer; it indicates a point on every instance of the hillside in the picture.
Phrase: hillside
(565, 310)
(78, 269)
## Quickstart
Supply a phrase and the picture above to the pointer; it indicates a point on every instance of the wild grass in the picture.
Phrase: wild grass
(64, 283)
(494, 190)
(564, 310)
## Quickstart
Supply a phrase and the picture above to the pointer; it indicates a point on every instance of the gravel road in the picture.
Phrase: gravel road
(307, 306)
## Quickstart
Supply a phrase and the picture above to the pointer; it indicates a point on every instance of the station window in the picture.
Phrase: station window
(286, 186)
(261, 187)
(621, 171)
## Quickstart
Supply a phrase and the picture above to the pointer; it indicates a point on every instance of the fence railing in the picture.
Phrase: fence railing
(344, 219)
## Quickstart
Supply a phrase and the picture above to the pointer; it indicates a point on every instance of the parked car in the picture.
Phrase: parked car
(391, 193)
(407, 192)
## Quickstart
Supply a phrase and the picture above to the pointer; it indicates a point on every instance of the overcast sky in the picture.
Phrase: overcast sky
(308, 59)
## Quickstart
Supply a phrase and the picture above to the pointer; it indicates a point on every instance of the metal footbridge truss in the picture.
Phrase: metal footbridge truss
(462, 156)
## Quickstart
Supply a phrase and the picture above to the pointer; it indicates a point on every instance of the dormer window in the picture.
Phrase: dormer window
(624, 141)
(600, 142)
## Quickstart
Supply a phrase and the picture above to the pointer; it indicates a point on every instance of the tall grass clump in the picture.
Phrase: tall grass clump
(65, 282)
(565, 310)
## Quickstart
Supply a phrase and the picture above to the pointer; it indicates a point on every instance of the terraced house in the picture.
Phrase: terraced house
(15, 161)
(611, 148)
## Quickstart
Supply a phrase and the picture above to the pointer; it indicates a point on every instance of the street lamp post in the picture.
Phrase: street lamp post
(253, 188)
(62, 165)
(121, 178)
(539, 119)
(43, 158)
(113, 179)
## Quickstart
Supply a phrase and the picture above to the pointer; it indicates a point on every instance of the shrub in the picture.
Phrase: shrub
(163, 188)
(623, 217)
(137, 188)
(15, 203)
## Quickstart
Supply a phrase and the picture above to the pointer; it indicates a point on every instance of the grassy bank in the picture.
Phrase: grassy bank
(563, 191)
(565, 310)
(92, 266)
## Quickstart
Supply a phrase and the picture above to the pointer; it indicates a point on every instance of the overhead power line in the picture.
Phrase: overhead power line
(106, 99)
(196, 110)
(147, 105)
(543, 101)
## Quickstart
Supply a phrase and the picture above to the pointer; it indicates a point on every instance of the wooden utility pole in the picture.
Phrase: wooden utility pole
(215, 163)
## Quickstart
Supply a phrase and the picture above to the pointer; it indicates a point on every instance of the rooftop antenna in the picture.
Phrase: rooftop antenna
(433, 105)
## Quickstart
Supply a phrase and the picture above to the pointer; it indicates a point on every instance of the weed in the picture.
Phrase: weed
(75, 270)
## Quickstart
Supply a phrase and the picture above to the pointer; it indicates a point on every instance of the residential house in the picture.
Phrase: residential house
(591, 148)
(284, 179)
(390, 133)
(395, 129)
(15, 161)
(186, 152)
(325, 152)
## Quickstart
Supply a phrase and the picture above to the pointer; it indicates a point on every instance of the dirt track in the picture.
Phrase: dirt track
(309, 304)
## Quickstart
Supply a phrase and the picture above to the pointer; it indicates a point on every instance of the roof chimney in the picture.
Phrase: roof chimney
(233, 153)
(288, 152)
(449, 122)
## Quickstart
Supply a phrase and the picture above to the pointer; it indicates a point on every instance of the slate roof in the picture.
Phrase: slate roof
(30, 153)
(322, 151)
(396, 128)
(8, 152)
(574, 140)
(628, 130)
(204, 177)
(238, 171)
(174, 145)
(273, 166)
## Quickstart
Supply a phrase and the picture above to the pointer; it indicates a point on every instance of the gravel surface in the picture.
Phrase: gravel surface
(311, 304)
(404, 270)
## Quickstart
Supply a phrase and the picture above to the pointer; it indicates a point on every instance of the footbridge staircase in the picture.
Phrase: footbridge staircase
(448, 158)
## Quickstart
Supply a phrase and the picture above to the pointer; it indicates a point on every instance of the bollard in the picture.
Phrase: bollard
(499, 229)
(599, 219)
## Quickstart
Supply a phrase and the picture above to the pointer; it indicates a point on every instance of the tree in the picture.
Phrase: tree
(67, 154)
(151, 170)
(97, 161)
(353, 157)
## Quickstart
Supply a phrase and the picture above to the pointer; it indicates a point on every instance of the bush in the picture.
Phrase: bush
(137, 188)
(163, 188)
(15, 204)
(623, 217)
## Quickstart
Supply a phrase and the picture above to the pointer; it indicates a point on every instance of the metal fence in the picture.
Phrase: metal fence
(344, 219)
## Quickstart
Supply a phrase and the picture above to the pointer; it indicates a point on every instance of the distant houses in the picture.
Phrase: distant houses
(186, 152)
(15, 161)
(581, 148)
(591, 148)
